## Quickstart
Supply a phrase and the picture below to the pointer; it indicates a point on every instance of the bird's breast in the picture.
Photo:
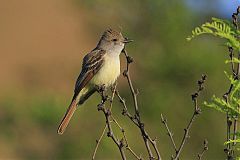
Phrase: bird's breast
(109, 71)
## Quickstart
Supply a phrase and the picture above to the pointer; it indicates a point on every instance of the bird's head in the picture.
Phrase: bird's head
(113, 40)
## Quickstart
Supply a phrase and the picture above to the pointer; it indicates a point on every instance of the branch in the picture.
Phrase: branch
(235, 22)
(125, 111)
(196, 112)
(107, 114)
(205, 148)
(126, 141)
(136, 119)
(103, 132)
(235, 72)
(169, 133)
(129, 148)
(98, 142)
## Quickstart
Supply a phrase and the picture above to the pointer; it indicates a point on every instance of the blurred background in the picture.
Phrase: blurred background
(41, 47)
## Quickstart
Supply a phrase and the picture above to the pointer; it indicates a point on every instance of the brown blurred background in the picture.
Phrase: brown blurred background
(41, 47)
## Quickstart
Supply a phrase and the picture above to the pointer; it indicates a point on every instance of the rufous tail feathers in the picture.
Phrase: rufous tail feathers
(67, 117)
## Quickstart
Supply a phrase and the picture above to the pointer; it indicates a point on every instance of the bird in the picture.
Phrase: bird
(100, 67)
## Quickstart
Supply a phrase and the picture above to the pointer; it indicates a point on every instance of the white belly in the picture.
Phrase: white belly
(109, 72)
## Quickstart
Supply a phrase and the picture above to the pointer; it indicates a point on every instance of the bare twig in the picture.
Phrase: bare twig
(196, 112)
(98, 142)
(169, 133)
(205, 148)
(235, 17)
(107, 113)
(125, 139)
(125, 111)
(104, 130)
(129, 148)
(136, 119)
(114, 89)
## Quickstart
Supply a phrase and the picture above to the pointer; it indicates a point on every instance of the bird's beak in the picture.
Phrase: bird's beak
(126, 40)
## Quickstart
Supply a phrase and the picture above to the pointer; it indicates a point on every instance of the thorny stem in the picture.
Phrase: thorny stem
(196, 112)
(136, 119)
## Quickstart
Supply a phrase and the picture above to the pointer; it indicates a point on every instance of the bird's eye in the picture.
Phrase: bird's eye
(114, 40)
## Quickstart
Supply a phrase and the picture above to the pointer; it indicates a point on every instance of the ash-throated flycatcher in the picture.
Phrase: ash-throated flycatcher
(100, 67)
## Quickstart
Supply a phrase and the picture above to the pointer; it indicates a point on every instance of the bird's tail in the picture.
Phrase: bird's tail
(67, 117)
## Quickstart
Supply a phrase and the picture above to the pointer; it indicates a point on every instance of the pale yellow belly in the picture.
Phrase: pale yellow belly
(109, 72)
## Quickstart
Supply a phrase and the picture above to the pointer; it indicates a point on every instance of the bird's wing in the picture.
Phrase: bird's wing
(92, 63)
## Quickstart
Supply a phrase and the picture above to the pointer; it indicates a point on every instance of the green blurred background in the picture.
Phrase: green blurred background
(42, 44)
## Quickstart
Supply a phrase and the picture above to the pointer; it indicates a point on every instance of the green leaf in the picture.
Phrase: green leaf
(232, 141)
(230, 77)
(220, 28)
(234, 60)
